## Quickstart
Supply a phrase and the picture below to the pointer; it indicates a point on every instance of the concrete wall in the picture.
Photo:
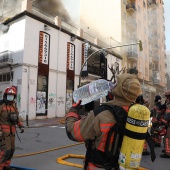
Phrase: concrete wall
(23, 39)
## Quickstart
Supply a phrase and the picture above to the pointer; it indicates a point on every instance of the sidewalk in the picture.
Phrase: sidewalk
(44, 122)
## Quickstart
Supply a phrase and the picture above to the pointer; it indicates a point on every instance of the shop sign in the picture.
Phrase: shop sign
(44, 45)
(85, 47)
(70, 56)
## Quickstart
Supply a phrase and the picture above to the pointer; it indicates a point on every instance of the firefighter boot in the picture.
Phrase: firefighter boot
(164, 156)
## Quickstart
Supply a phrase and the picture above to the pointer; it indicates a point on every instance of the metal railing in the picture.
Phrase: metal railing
(6, 56)
(42, 14)
(130, 6)
(11, 13)
(132, 54)
(152, 2)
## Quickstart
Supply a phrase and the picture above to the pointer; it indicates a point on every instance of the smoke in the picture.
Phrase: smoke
(7, 5)
(52, 7)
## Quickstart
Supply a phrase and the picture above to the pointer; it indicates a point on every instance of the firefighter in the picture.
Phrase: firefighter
(9, 118)
(94, 128)
(157, 113)
(166, 122)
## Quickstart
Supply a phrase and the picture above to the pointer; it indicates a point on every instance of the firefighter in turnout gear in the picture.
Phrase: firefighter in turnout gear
(95, 128)
(166, 122)
(9, 118)
(157, 113)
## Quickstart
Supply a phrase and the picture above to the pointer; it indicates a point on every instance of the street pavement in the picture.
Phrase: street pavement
(44, 122)
(159, 164)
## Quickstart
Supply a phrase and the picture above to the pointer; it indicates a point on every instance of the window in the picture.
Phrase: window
(144, 5)
(6, 77)
(42, 83)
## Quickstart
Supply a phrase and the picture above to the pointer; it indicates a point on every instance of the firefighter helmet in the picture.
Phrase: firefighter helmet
(167, 93)
(11, 91)
(162, 131)
(157, 98)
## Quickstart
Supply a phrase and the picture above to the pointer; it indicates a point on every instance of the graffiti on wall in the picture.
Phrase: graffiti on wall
(32, 101)
(51, 100)
(19, 81)
(41, 101)
(31, 82)
(60, 100)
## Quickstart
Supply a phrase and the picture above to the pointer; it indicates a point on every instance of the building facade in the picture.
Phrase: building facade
(42, 57)
(168, 69)
(128, 21)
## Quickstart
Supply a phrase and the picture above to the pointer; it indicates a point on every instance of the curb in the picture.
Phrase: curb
(39, 123)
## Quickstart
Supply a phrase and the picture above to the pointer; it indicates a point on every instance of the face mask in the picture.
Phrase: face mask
(10, 97)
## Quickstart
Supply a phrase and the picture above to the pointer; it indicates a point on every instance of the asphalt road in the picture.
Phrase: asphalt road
(44, 145)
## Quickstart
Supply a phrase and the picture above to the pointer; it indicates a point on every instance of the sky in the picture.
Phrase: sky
(167, 24)
(72, 6)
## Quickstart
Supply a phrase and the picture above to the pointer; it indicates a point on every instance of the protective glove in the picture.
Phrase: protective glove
(75, 107)
(22, 130)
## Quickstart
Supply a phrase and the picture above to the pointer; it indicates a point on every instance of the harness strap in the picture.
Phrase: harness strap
(88, 154)
(135, 135)
(151, 146)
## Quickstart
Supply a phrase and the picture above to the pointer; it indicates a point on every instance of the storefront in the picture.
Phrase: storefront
(46, 66)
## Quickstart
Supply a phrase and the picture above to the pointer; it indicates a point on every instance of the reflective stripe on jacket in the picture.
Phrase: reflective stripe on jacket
(91, 127)
(5, 125)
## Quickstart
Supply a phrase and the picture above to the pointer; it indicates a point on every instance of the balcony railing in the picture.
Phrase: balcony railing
(152, 2)
(131, 7)
(155, 59)
(6, 57)
(156, 81)
(132, 55)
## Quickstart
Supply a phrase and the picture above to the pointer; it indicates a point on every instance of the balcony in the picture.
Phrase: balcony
(6, 58)
(131, 7)
(155, 59)
(132, 55)
(152, 3)
(156, 81)
(156, 77)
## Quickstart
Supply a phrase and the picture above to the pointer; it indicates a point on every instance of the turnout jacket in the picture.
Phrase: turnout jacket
(166, 121)
(5, 110)
(91, 127)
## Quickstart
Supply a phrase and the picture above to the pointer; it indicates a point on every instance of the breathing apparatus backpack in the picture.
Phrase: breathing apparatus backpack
(109, 158)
